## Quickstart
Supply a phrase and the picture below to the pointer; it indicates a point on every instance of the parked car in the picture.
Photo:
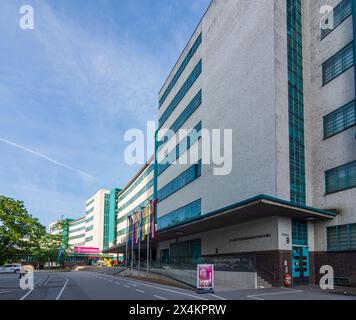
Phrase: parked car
(10, 268)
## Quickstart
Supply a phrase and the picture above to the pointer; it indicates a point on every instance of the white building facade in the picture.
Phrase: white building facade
(286, 88)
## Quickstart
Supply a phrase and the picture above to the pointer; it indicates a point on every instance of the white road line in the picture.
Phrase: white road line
(126, 286)
(5, 292)
(141, 291)
(215, 296)
(256, 296)
(118, 283)
(168, 290)
(24, 297)
(159, 297)
(59, 295)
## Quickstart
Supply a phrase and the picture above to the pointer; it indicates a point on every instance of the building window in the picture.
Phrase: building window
(342, 238)
(341, 12)
(137, 182)
(91, 228)
(181, 215)
(90, 211)
(338, 64)
(341, 178)
(181, 93)
(340, 120)
(180, 182)
(296, 102)
(182, 67)
(185, 115)
(299, 233)
(89, 239)
(77, 237)
(146, 188)
(180, 149)
(90, 219)
(76, 230)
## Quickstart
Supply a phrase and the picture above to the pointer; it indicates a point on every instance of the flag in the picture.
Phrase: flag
(137, 227)
(153, 227)
(129, 228)
(145, 223)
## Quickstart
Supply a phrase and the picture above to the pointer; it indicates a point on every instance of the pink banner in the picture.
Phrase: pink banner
(85, 250)
(205, 276)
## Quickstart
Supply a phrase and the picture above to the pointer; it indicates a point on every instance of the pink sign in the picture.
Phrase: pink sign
(86, 250)
(205, 276)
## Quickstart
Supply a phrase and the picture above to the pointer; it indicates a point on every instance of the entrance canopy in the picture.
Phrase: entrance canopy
(252, 209)
(255, 208)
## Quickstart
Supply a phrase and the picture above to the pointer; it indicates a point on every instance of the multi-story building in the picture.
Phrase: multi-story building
(87, 237)
(286, 88)
(132, 199)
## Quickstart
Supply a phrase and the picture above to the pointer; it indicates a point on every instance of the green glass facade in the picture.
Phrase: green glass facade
(296, 101)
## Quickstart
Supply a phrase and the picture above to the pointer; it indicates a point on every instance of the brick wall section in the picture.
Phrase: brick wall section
(344, 264)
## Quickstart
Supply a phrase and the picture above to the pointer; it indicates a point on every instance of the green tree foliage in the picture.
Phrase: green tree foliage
(19, 230)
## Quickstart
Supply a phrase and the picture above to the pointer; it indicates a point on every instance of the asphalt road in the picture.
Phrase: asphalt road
(94, 286)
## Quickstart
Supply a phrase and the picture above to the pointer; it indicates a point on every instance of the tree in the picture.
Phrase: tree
(47, 248)
(18, 229)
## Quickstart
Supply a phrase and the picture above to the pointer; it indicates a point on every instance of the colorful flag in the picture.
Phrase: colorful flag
(145, 223)
(137, 233)
(129, 228)
(153, 227)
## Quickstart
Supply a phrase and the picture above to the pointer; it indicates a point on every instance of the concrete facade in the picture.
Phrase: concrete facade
(244, 83)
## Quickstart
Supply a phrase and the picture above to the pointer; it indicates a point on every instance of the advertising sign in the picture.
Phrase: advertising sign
(205, 277)
(85, 250)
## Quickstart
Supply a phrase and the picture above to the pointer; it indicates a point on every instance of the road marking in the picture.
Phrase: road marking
(118, 283)
(141, 291)
(49, 277)
(126, 286)
(215, 296)
(168, 290)
(5, 292)
(256, 296)
(159, 297)
(24, 297)
(59, 295)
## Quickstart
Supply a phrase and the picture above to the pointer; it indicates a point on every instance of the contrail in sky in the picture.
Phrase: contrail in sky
(43, 156)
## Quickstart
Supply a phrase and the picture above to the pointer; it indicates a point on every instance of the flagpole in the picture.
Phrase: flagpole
(132, 245)
(148, 238)
(127, 239)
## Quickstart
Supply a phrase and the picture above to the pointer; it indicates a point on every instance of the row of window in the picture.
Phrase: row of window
(342, 238)
(338, 63)
(76, 230)
(184, 116)
(89, 219)
(89, 239)
(90, 211)
(180, 182)
(91, 228)
(181, 215)
(341, 178)
(181, 93)
(182, 67)
(122, 219)
(193, 136)
(77, 237)
(90, 202)
(137, 195)
(340, 120)
(77, 223)
(137, 182)
(340, 13)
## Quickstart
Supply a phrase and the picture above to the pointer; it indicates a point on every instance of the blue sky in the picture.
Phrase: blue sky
(70, 88)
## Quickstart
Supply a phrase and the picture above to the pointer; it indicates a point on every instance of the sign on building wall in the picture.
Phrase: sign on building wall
(205, 277)
(85, 250)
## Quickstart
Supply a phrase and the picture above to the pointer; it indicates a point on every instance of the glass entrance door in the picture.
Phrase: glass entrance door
(300, 265)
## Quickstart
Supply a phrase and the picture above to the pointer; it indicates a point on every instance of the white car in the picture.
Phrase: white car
(10, 268)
